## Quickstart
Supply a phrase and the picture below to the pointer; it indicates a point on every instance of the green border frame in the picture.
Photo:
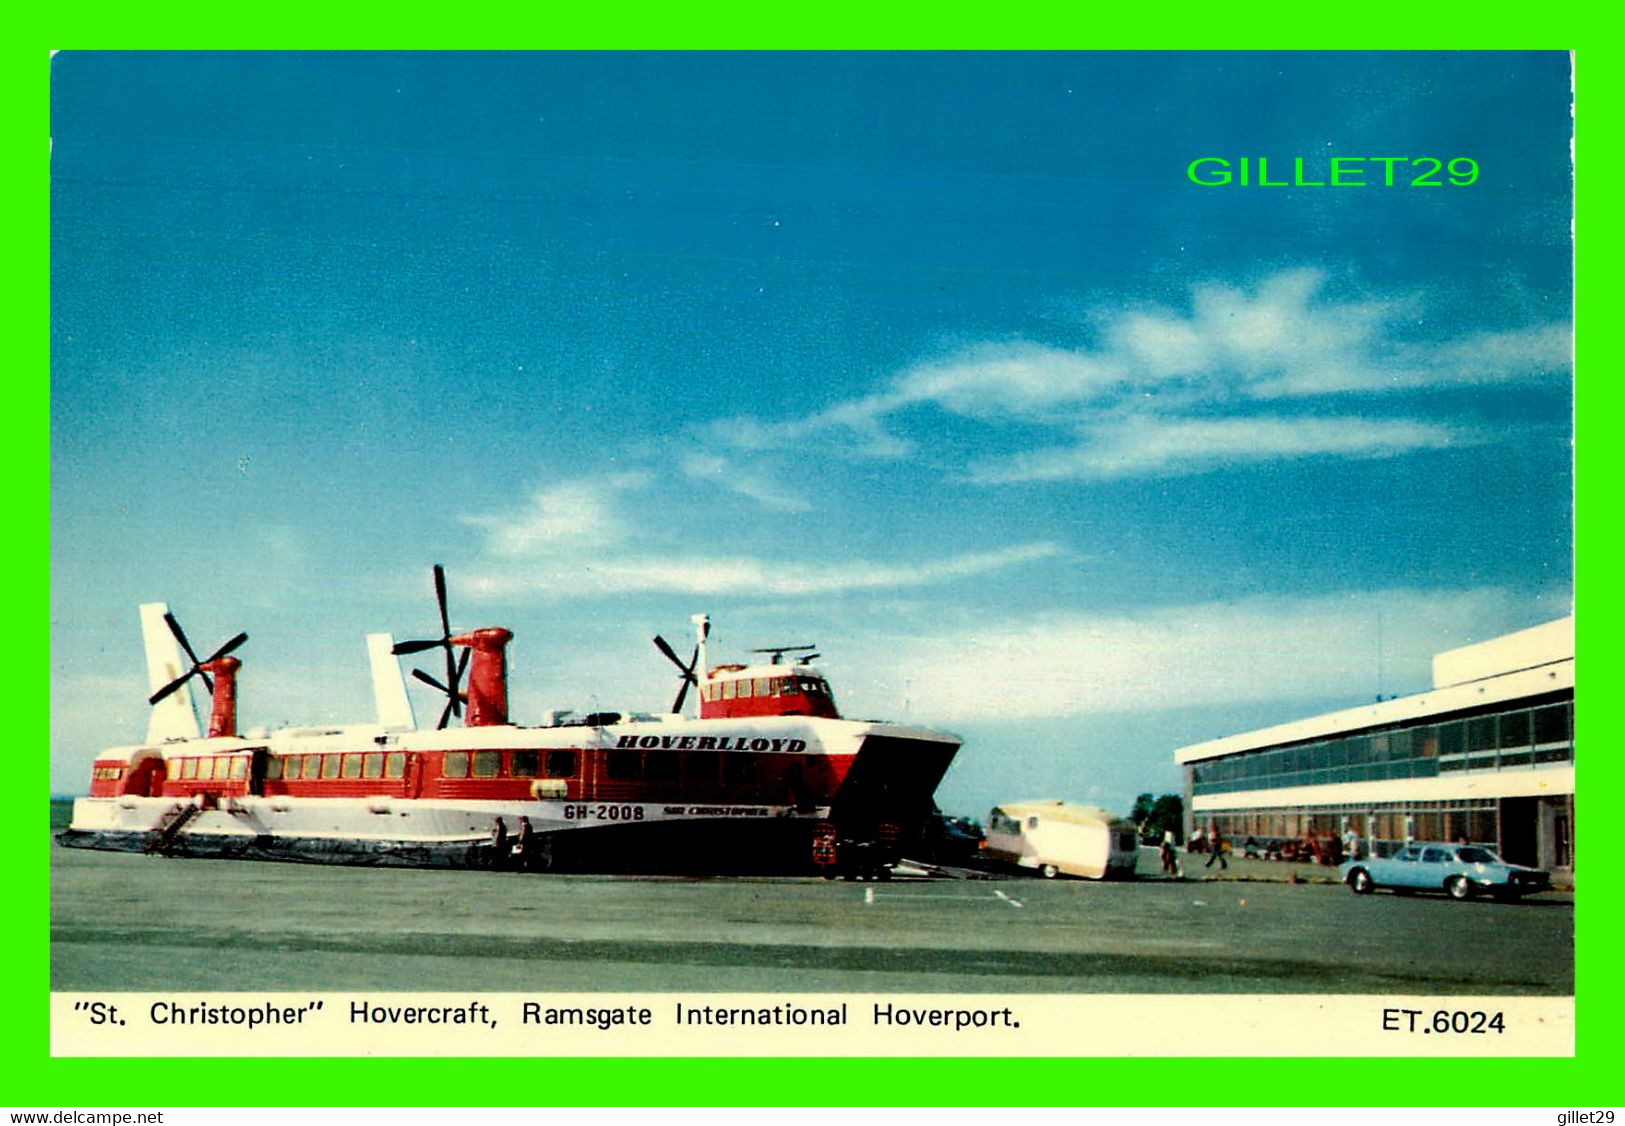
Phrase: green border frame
(37, 1080)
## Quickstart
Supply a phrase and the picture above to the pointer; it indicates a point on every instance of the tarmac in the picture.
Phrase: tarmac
(135, 922)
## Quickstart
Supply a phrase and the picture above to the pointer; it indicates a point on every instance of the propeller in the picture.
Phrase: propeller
(452, 698)
(778, 652)
(455, 698)
(197, 665)
(686, 671)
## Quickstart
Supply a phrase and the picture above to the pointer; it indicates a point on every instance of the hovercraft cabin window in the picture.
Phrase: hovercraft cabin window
(454, 764)
(623, 766)
(395, 764)
(487, 764)
(561, 764)
(273, 768)
(523, 764)
(372, 766)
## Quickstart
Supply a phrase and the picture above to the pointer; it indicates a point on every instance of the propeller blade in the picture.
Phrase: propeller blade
(452, 676)
(671, 654)
(431, 681)
(457, 697)
(440, 597)
(226, 648)
(401, 648)
(180, 636)
(682, 694)
(170, 688)
(693, 661)
(445, 716)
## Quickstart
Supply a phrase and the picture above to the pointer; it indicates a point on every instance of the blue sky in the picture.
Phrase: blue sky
(939, 361)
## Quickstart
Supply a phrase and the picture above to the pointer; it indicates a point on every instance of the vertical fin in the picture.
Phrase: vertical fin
(388, 685)
(173, 717)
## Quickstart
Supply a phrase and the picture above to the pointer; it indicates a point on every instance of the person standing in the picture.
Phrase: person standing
(1165, 853)
(1215, 848)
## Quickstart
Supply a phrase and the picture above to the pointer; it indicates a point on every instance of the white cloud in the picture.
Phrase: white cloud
(1152, 445)
(568, 514)
(1256, 649)
(1236, 352)
(621, 572)
(1019, 379)
(573, 539)
(754, 482)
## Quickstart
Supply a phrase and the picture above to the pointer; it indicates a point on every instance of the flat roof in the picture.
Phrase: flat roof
(1552, 676)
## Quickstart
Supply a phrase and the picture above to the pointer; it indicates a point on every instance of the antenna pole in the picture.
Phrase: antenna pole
(702, 630)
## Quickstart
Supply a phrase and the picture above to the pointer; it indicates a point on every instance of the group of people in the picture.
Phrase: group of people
(1167, 852)
(1329, 849)
(520, 851)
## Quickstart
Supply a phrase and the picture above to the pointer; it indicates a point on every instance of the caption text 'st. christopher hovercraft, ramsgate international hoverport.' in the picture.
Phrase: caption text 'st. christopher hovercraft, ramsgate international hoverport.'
(768, 778)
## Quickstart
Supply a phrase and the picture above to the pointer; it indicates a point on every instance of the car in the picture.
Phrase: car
(1461, 871)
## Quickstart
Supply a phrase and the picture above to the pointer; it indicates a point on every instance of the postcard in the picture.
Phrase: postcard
(812, 554)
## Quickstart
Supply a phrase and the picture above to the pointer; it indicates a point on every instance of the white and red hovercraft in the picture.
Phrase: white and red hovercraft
(768, 778)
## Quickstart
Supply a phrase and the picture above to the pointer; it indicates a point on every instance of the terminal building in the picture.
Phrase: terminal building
(1486, 755)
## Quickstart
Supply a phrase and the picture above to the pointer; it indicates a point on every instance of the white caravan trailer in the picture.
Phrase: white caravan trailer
(1057, 838)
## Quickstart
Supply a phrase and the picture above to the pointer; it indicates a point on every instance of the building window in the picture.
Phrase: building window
(1360, 750)
(455, 764)
(1552, 724)
(1514, 730)
(1425, 742)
